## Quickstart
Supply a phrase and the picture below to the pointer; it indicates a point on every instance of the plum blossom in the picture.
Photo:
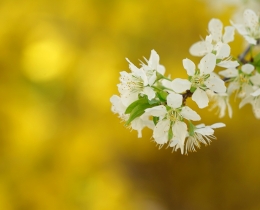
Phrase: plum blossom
(215, 41)
(140, 80)
(201, 134)
(201, 79)
(171, 120)
(239, 80)
(250, 30)
(221, 102)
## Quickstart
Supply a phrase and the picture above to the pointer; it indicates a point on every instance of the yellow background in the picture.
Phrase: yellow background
(60, 145)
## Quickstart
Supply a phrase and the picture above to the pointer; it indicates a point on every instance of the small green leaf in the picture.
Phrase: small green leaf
(258, 69)
(155, 120)
(138, 111)
(192, 89)
(257, 60)
(162, 95)
(134, 104)
(154, 101)
(191, 129)
(170, 134)
(218, 61)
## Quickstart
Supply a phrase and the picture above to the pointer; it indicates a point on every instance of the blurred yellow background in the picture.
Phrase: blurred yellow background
(60, 145)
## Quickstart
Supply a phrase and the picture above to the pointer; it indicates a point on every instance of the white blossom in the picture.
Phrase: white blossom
(201, 135)
(250, 30)
(239, 81)
(215, 41)
(172, 118)
(200, 80)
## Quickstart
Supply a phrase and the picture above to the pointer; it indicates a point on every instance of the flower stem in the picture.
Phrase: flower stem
(242, 56)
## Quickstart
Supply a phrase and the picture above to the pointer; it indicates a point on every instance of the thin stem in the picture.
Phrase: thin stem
(242, 56)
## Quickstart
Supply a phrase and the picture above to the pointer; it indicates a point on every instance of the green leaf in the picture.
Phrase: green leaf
(170, 134)
(134, 104)
(218, 61)
(162, 95)
(138, 111)
(155, 120)
(154, 102)
(257, 60)
(191, 129)
(258, 69)
(192, 89)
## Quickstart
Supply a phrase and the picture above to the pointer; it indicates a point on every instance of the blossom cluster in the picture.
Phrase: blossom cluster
(148, 98)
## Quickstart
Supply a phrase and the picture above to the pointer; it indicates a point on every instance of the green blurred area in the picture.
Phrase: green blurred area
(60, 145)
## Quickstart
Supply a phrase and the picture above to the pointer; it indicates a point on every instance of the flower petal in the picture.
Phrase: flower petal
(174, 100)
(255, 79)
(256, 93)
(180, 85)
(201, 98)
(200, 48)
(223, 50)
(216, 84)
(215, 28)
(228, 64)
(251, 19)
(247, 68)
(207, 64)
(157, 111)
(205, 131)
(179, 130)
(228, 34)
(228, 73)
(218, 125)
(153, 60)
(149, 92)
(189, 114)
(160, 132)
(189, 66)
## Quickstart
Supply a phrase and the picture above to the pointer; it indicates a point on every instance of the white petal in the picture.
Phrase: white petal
(215, 28)
(250, 40)
(256, 93)
(216, 84)
(240, 28)
(189, 66)
(228, 73)
(247, 68)
(161, 69)
(228, 34)
(200, 48)
(149, 92)
(132, 67)
(223, 50)
(255, 79)
(218, 125)
(117, 106)
(180, 85)
(205, 131)
(228, 64)
(179, 130)
(174, 100)
(189, 114)
(201, 98)
(207, 64)
(166, 83)
(160, 132)
(251, 19)
(157, 111)
(153, 60)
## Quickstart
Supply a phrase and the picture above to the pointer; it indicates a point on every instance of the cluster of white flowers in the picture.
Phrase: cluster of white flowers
(150, 99)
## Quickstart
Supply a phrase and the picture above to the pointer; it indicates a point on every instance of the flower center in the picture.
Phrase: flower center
(198, 80)
(174, 115)
(136, 84)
